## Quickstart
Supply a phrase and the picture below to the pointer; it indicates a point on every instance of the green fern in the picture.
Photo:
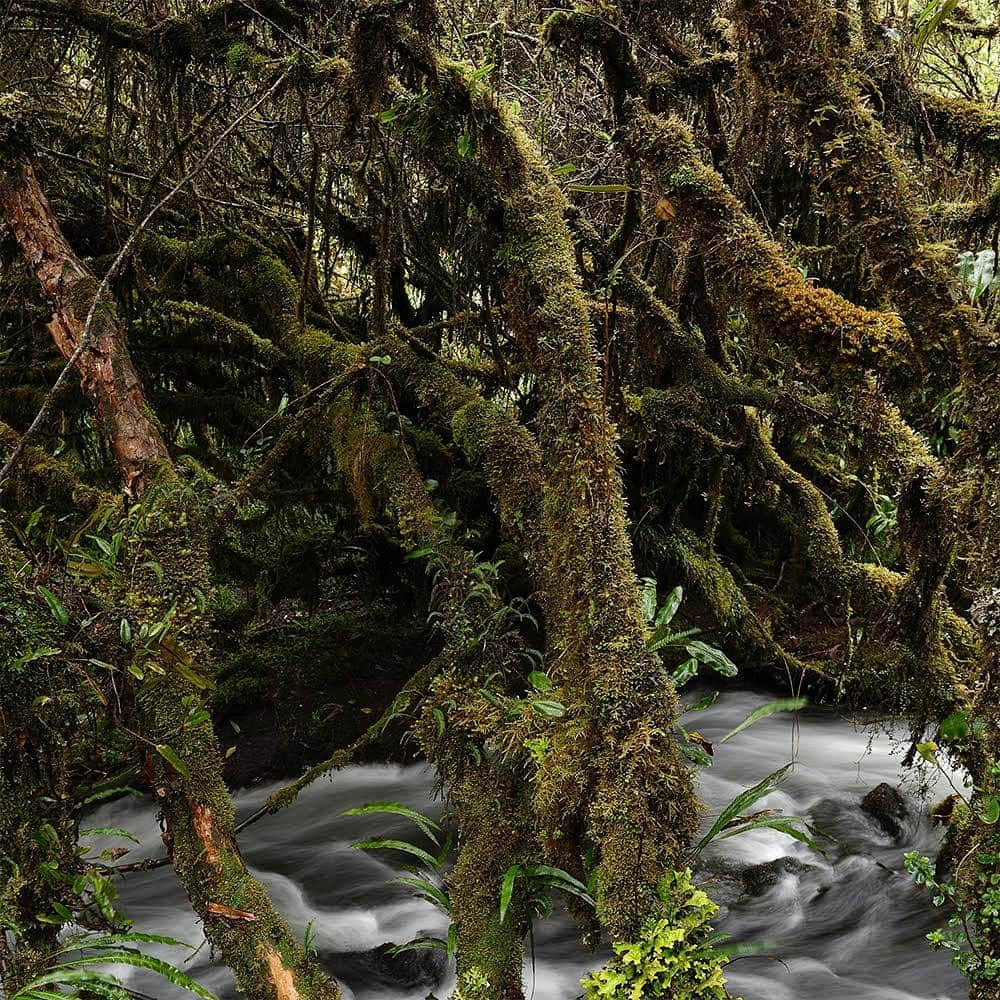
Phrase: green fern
(81, 975)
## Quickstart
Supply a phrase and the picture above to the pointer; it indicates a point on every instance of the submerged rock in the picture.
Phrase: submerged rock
(759, 878)
(419, 969)
(887, 807)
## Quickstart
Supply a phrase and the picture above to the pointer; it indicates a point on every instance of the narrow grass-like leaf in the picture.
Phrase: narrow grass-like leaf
(740, 804)
(116, 940)
(109, 831)
(385, 843)
(771, 708)
(418, 944)
(783, 824)
(426, 825)
(137, 959)
(426, 889)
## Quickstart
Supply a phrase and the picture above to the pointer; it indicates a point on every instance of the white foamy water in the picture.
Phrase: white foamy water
(846, 927)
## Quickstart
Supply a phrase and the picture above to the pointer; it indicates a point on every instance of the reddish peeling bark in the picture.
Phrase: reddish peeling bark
(107, 374)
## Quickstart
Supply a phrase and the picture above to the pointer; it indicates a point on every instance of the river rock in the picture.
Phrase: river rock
(887, 807)
(759, 878)
(420, 969)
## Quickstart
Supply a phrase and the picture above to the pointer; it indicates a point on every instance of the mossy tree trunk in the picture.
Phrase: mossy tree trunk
(268, 959)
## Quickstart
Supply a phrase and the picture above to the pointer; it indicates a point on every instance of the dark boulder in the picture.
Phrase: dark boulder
(384, 968)
(887, 807)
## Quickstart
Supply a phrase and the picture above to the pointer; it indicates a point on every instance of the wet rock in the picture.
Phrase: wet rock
(887, 807)
(759, 878)
(420, 969)
(724, 890)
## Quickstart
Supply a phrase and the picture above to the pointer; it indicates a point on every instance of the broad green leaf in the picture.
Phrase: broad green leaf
(510, 877)
(419, 553)
(684, 672)
(195, 677)
(955, 727)
(648, 597)
(702, 703)
(540, 681)
(36, 654)
(669, 607)
(696, 754)
(989, 809)
(170, 755)
(551, 709)
(712, 657)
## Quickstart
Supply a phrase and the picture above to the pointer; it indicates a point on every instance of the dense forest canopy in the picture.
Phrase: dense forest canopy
(428, 373)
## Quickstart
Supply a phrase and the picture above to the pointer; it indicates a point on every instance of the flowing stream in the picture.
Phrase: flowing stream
(846, 927)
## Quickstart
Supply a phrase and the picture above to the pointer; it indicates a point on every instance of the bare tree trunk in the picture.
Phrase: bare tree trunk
(107, 374)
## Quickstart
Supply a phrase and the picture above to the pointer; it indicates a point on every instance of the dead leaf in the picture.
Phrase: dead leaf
(201, 819)
(229, 913)
(752, 817)
(664, 209)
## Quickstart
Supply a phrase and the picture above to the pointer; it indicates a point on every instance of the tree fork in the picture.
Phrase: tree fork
(642, 816)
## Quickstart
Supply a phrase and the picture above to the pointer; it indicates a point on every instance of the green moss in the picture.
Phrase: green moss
(495, 834)
(594, 627)
(776, 295)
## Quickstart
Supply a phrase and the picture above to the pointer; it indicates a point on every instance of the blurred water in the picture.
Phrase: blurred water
(847, 927)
